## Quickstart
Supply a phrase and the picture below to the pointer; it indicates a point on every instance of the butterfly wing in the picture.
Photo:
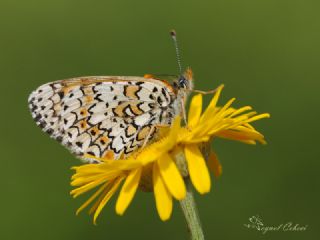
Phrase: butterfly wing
(103, 116)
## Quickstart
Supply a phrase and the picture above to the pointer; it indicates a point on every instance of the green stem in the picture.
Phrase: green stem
(190, 212)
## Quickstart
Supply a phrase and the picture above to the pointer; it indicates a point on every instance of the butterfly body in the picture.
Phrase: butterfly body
(106, 116)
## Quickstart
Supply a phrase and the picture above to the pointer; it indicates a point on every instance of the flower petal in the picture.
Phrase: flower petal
(93, 197)
(198, 170)
(195, 110)
(240, 136)
(80, 190)
(241, 110)
(82, 180)
(172, 177)
(102, 195)
(214, 164)
(212, 105)
(128, 190)
(217, 117)
(153, 151)
(258, 117)
(107, 198)
(162, 196)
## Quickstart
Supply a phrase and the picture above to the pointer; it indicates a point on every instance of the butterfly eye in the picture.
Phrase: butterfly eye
(182, 82)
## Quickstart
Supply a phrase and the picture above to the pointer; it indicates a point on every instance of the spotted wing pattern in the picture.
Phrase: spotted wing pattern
(103, 116)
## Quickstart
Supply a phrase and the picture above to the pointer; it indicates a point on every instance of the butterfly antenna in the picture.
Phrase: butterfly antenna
(174, 38)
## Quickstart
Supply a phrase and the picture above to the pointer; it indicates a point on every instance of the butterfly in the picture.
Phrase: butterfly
(108, 116)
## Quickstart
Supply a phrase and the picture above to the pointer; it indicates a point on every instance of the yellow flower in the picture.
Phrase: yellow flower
(162, 166)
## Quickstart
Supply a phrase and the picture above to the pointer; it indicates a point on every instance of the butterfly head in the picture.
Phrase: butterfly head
(185, 81)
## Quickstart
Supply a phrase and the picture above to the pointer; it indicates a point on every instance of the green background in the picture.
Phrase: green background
(267, 54)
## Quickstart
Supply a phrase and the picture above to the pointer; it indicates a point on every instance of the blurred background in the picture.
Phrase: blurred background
(267, 54)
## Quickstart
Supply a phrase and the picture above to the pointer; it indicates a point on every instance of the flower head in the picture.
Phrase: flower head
(162, 166)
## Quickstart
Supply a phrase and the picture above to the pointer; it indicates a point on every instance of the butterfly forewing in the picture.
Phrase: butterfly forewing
(103, 116)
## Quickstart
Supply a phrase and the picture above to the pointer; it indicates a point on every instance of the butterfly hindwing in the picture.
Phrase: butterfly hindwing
(103, 115)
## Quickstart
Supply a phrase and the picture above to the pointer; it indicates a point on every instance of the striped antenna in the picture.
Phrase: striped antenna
(174, 38)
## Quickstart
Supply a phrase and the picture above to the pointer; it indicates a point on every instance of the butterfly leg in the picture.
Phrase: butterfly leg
(153, 128)
(183, 111)
(148, 136)
(207, 92)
